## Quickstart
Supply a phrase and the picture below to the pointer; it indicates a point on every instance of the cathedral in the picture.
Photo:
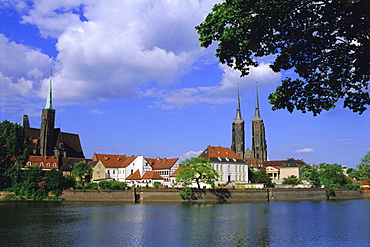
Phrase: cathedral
(49, 141)
(259, 146)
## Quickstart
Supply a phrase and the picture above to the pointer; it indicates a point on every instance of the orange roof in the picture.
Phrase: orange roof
(159, 164)
(175, 173)
(114, 161)
(152, 175)
(44, 161)
(218, 152)
(135, 176)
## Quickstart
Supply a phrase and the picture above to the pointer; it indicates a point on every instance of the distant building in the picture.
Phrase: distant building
(238, 133)
(259, 145)
(134, 170)
(49, 147)
(48, 140)
(280, 169)
(230, 167)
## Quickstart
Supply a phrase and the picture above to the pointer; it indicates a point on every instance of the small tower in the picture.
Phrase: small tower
(259, 146)
(47, 125)
(238, 134)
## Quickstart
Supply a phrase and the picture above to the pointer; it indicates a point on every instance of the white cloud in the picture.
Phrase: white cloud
(189, 154)
(304, 150)
(119, 46)
(222, 93)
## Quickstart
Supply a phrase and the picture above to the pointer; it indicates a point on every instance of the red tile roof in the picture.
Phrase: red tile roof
(211, 152)
(152, 175)
(135, 176)
(46, 162)
(160, 164)
(113, 160)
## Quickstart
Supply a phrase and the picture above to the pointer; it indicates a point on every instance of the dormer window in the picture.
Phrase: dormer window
(48, 164)
(234, 159)
(227, 159)
(29, 163)
(41, 163)
(219, 158)
(55, 164)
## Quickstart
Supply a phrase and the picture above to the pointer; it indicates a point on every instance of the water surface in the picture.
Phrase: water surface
(303, 223)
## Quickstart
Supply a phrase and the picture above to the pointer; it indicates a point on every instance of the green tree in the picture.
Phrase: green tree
(353, 173)
(198, 169)
(13, 149)
(82, 172)
(364, 167)
(55, 182)
(32, 187)
(291, 180)
(261, 176)
(325, 42)
(332, 176)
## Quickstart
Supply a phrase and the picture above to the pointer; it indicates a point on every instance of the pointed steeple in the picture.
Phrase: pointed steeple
(49, 103)
(238, 111)
(257, 114)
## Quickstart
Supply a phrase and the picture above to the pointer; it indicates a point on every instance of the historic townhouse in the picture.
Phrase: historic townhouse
(134, 170)
(231, 168)
(164, 167)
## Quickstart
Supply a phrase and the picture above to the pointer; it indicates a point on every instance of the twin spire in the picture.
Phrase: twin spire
(257, 114)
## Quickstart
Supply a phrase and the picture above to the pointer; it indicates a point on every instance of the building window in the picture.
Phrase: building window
(114, 171)
(228, 168)
(29, 163)
(41, 163)
(55, 164)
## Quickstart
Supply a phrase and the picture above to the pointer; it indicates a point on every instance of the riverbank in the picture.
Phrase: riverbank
(217, 195)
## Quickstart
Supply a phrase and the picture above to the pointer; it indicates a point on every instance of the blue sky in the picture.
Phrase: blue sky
(130, 78)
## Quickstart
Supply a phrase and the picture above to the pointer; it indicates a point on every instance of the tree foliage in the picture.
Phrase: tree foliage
(326, 43)
(261, 176)
(291, 180)
(364, 167)
(198, 169)
(82, 172)
(13, 144)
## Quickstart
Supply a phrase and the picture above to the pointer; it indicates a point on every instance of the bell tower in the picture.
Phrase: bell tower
(238, 133)
(259, 146)
(47, 125)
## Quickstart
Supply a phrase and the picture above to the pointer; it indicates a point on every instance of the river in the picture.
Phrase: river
(286, 223)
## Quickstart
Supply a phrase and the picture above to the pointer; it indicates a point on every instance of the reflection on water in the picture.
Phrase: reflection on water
(304, 223)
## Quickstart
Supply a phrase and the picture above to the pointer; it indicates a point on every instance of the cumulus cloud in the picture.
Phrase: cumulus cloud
(109, 50)
(117, 50)
(223, 92)
(304, 150)
(189, 154)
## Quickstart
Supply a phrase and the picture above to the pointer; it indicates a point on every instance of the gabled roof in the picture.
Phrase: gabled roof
(152, 175)
(220, 154)
(284, 163)
(255, 163)
(135, 176)
(71, 142)
(113, 160)
(160, 164)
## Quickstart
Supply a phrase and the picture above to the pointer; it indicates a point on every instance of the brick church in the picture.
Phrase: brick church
(259, 146)
(49, 147)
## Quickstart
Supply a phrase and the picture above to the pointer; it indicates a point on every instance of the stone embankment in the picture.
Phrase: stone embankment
(217, 195)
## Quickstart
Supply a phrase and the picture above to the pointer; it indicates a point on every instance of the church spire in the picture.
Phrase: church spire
(49, 103)
(257, 114)
(238, 111)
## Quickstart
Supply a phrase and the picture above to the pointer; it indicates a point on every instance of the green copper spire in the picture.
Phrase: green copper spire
(49, 103)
